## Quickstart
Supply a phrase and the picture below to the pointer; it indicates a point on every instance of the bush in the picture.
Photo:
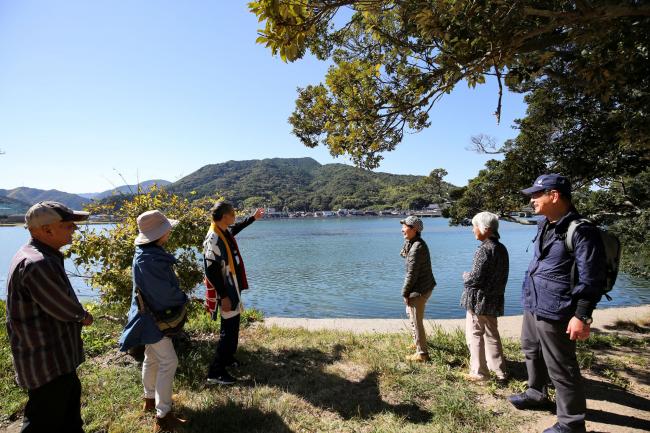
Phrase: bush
(105, 256)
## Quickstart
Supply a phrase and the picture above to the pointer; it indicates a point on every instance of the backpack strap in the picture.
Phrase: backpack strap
(573, 225)
(143, 307)
(568, 244)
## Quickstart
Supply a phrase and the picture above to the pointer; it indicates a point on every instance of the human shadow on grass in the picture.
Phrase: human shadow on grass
(604, 391)
(516, 370)
(629, 326)
(302, 372)
(233, 418)
(600, 416)
(633, 347)
(639, 374)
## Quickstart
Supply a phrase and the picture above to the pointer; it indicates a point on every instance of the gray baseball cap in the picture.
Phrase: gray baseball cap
(413, 221)
(48, 212)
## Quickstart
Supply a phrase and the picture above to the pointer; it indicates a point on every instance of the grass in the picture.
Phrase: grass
(300, 381)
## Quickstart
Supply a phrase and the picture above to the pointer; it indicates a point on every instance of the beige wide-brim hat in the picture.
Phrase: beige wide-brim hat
(153, 225)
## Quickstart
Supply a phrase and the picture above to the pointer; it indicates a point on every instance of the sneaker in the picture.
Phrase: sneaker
(418, 357)
(222, 379)
(561, 428)
(524, 402)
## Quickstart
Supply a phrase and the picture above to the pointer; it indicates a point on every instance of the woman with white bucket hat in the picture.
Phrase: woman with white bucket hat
(155, 289)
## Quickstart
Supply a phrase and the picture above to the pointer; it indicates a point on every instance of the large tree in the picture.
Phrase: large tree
(582, 64)
(393, 59)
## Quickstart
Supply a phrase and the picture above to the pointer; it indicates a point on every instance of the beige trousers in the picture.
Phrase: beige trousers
(484, 344)
(415, 312)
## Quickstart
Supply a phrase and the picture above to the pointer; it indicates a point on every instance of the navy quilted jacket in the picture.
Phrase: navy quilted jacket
(547, 290)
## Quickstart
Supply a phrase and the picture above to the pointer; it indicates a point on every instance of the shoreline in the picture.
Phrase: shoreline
(509, 326)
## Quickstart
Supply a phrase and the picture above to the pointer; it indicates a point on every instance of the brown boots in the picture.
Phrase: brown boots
(168, 423)
(149, 405)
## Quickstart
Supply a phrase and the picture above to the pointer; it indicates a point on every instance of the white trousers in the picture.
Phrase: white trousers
(158, 371)
(484, 342)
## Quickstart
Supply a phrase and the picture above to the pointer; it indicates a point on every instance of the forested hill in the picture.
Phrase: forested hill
(34, 195)
(304, 184)
(9, 206)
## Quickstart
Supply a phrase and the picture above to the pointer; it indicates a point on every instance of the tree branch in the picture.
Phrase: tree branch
(497, 113)
(591, 14)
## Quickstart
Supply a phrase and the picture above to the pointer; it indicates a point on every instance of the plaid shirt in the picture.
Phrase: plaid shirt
(43, 316)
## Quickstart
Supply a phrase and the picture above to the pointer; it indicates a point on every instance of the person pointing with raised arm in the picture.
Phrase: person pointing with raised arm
(225, 278)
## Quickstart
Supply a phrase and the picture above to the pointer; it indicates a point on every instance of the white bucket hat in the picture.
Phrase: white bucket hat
(153, 225)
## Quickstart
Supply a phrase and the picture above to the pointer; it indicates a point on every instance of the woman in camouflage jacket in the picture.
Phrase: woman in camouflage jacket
(418, 283)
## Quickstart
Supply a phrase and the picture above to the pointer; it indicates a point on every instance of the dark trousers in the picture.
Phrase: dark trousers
(55, 407)
(226, 346)
(551, 354)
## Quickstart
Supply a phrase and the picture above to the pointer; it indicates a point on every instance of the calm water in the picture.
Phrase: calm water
(350, 267)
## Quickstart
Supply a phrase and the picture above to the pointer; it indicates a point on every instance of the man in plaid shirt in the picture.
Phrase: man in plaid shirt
(44, 320)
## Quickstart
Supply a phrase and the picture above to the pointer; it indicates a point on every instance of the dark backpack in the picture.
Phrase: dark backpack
(612, 247)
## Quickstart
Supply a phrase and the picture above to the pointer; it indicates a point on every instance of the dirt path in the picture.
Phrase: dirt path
(509, 326)
(610, 408)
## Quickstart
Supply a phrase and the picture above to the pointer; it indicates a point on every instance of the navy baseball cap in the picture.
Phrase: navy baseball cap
(547, 182)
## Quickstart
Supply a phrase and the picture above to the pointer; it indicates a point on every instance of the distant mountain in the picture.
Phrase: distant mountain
(303, 184)
(125, 189)
(33, 195)
(10, 206)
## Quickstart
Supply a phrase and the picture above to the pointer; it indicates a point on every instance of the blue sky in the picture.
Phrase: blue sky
(157, 89)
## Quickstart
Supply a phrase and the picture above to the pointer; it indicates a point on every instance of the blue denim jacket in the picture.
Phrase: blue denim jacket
(547, 290)
(153, 273)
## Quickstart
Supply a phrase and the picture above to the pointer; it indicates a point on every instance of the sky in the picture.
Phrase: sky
(91, 90)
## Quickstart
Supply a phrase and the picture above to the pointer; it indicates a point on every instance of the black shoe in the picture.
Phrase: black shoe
(222, 379)
(561, 428)
(523, 401)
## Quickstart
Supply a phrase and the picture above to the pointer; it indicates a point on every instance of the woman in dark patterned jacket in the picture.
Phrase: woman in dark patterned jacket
(483, 299)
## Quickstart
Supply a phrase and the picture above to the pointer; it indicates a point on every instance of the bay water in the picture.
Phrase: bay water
(351, 267)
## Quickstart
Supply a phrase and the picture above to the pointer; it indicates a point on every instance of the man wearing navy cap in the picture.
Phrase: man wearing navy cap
(557, 311)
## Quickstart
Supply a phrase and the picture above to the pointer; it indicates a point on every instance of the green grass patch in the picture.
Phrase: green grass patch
(601, 340)
(13, 398)
(300, 381)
